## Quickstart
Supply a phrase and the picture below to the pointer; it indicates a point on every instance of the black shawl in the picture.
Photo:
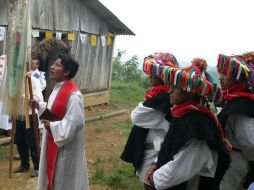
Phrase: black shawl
(195, 125)
(239, 105)
(134, 148)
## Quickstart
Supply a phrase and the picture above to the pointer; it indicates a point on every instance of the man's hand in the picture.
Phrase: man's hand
(149, 174)
(34, 104)
(29, 74)
(46, 124)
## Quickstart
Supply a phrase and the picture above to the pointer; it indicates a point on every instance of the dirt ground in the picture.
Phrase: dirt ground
(98, 144)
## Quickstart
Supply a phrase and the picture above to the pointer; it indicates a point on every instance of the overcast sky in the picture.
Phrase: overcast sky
(186, 28)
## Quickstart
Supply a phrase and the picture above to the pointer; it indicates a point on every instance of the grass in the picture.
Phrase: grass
(124, 128)
(4, 150)
(120, 177)
(124, 94)
(114, 173)
(98, 130)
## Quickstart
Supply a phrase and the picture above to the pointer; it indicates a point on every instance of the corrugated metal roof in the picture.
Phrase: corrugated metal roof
(117, 26)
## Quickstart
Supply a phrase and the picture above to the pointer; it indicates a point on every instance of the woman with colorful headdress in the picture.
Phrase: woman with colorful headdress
(237, 117)
(149, 117)
(194, 154)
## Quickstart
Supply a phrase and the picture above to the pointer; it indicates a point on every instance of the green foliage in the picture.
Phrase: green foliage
(126, 71)
(144, 82)
(128, 82)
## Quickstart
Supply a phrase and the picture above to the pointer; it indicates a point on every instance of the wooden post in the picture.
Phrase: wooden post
(10, 16)
(27, 104)
(13, 131)
(35, 120)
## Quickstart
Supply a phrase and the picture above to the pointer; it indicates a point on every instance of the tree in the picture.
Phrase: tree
(126, 71)
(132, 73)
(117, 66)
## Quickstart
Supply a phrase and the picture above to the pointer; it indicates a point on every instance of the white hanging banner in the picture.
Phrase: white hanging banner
(103, 40)
(83, 38)
(2, 68)
(36, 33)
(2, 33)
(59, 35)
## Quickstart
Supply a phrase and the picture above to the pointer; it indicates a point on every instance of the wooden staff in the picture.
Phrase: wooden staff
(10, 12)
(13, 131)
(27, 104)
(34, 117)
(14, 126)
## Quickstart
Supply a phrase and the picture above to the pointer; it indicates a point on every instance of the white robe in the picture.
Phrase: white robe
(4, 119)
(41, 77)
(239, 130)
(70, 170)
(155, 121)
(193, 160)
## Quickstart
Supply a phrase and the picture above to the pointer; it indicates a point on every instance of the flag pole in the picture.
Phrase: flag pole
(18, 34)
(13, 131)
(34, 119)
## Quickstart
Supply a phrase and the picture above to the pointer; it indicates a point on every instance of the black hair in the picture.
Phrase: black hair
(69, 64)
(38, 61)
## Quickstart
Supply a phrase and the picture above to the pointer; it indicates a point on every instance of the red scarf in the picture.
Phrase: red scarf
(236, 91)
(194, 105)
(59, 108)
(155, 90)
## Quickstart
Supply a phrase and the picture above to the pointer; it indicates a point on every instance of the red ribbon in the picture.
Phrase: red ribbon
(194, 105)
(236, 91)
(156, 90)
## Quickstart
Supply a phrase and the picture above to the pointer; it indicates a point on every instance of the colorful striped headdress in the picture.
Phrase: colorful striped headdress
(193, 79)
(240, 66)
(155, 63)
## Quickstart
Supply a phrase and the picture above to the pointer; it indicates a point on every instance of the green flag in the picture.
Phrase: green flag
(17, 50)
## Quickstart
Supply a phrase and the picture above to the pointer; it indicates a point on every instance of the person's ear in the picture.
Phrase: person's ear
(66, 73)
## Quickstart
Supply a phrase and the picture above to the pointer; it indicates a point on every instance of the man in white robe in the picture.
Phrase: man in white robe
(237, 117)
(35, 63)
(70, 171)
(25, 138)
(5, 123)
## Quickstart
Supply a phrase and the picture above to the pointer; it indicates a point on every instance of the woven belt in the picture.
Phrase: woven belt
(149, 146)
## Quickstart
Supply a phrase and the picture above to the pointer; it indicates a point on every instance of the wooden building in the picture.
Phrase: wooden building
(89, 27)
